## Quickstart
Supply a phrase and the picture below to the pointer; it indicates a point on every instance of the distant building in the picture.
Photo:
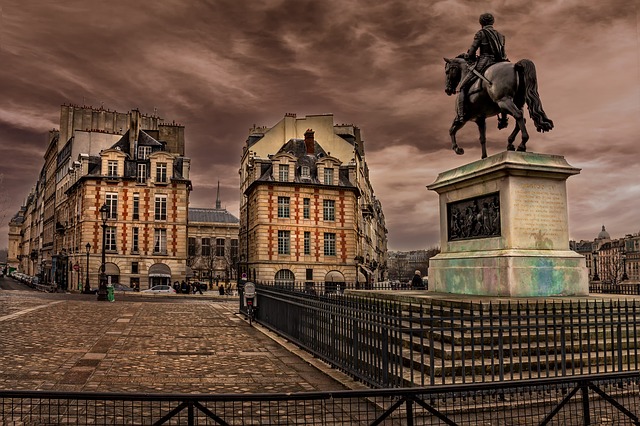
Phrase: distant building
(308, 211)
(611, 260)
(212, 247)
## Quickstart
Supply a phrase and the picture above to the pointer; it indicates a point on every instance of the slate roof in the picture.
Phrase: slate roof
(202, 215)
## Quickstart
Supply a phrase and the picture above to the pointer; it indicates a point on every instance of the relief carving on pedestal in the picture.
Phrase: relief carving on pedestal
(477, 217)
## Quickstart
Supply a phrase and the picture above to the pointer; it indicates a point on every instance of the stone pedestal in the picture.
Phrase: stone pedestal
(504, 230)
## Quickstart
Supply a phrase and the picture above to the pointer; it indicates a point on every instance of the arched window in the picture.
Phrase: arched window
(285, 277)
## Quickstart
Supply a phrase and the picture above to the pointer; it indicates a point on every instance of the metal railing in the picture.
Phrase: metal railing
(604, 399)
(387, 343)
(632, 289)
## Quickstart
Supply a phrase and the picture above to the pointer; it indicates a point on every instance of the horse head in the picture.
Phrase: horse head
(453, 72)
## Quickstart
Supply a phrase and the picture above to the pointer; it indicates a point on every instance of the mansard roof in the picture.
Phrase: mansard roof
(203, 215)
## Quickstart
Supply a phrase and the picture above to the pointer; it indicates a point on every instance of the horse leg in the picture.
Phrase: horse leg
(512, 137)
(457, 125)
(510, 107)
(482, 128)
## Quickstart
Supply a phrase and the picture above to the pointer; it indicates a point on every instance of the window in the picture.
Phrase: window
(328, 176)
(234, 250)
(309, 274)
(305, 172)
(136, 206)
(112, 168)
(110, 238)
(206, 246)
(134, 268)
(143, 152)
(284, 246)
(284, 276)
(307, 242)
(329, 210)
(161, 172)
(283, 173)
(329, 244)
(160, 241)
(283, 207)
(135, 232)
(141, 176)
(220, 242)
(161, 207)
(111, 200)
(306, 208)
(191, 246)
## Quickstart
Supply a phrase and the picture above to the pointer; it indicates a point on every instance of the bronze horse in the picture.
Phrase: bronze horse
(507, 88)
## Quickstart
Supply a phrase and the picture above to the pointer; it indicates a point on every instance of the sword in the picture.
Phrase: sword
(482, 77)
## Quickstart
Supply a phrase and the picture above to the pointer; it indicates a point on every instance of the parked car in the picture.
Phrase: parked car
(160, 289)
(120, 287)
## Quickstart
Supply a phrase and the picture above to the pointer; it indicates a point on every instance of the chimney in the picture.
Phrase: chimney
(309, 142)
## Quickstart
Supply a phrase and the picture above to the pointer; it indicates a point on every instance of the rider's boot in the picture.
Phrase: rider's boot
(460, 106)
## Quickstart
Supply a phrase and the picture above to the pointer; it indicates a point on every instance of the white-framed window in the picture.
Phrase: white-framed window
(284, 242)
(305, 172)
(307, 242)
(329, 210)
(283, 207)
(141, 175)
(111, 200)
(328, 176)
(306, 208)
(144, 152)
(161, 172)
(161, 207)
(112, 168)
(110, 238)
(160, 241)
(283, 173)
(329, 244)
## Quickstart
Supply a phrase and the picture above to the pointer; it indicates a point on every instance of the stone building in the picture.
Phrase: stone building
(135, 166)
(212, 245)
(308, 212)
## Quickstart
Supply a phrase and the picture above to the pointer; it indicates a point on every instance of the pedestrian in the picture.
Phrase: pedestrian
(221, 290)
(183, 287)
(196, 287)
(416, 282)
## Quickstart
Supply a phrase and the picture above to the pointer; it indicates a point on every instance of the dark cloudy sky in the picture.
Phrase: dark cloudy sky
(218, 67)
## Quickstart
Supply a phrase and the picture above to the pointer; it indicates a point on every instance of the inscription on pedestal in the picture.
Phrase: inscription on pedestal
(477, 217)
(539, 211)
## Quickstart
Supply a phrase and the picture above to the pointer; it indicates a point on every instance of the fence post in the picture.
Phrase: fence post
(409, 411)
(584, 387)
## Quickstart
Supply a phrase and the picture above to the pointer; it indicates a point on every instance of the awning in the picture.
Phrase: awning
(156, 275)
(160, 270)
(111, 269)
(189, 272)
(334, 277)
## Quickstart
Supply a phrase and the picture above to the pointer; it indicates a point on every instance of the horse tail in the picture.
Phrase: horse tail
(527, 70)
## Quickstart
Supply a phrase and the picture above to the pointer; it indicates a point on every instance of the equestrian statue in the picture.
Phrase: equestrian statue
(491, 85)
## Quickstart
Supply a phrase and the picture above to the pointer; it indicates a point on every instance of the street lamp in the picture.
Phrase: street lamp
(624, 266)
(358, 260)
(87, 286)
(102, 289)
(595, 266)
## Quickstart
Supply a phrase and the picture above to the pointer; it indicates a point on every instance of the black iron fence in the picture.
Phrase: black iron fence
(632, 289)
(605, 399)
(387, 343)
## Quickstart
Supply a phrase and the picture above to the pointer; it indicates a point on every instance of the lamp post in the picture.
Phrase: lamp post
(595, 266)
(102, 289)
(624, 266)
(358, 260)
(87, 286)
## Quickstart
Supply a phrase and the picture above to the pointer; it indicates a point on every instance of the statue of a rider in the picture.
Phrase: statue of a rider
(491, 45)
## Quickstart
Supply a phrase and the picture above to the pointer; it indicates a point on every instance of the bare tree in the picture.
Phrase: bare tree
(4, 202)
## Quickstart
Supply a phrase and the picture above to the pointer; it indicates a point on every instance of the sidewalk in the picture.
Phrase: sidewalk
(172, 343)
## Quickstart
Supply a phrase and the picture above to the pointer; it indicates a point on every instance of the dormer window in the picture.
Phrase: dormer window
(305, 172)
(141, 173)
(144, 152)
(328, 176)
(283, 173)
(112, 168)
(161, 172)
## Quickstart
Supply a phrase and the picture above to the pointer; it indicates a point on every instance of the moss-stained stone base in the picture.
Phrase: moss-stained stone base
(509, 273)
(530, 257)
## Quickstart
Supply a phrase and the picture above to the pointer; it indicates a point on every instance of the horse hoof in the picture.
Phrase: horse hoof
(511, 147)
(459, 151)
(522, 148)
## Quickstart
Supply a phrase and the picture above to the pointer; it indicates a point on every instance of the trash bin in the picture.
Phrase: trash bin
(111, 297)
